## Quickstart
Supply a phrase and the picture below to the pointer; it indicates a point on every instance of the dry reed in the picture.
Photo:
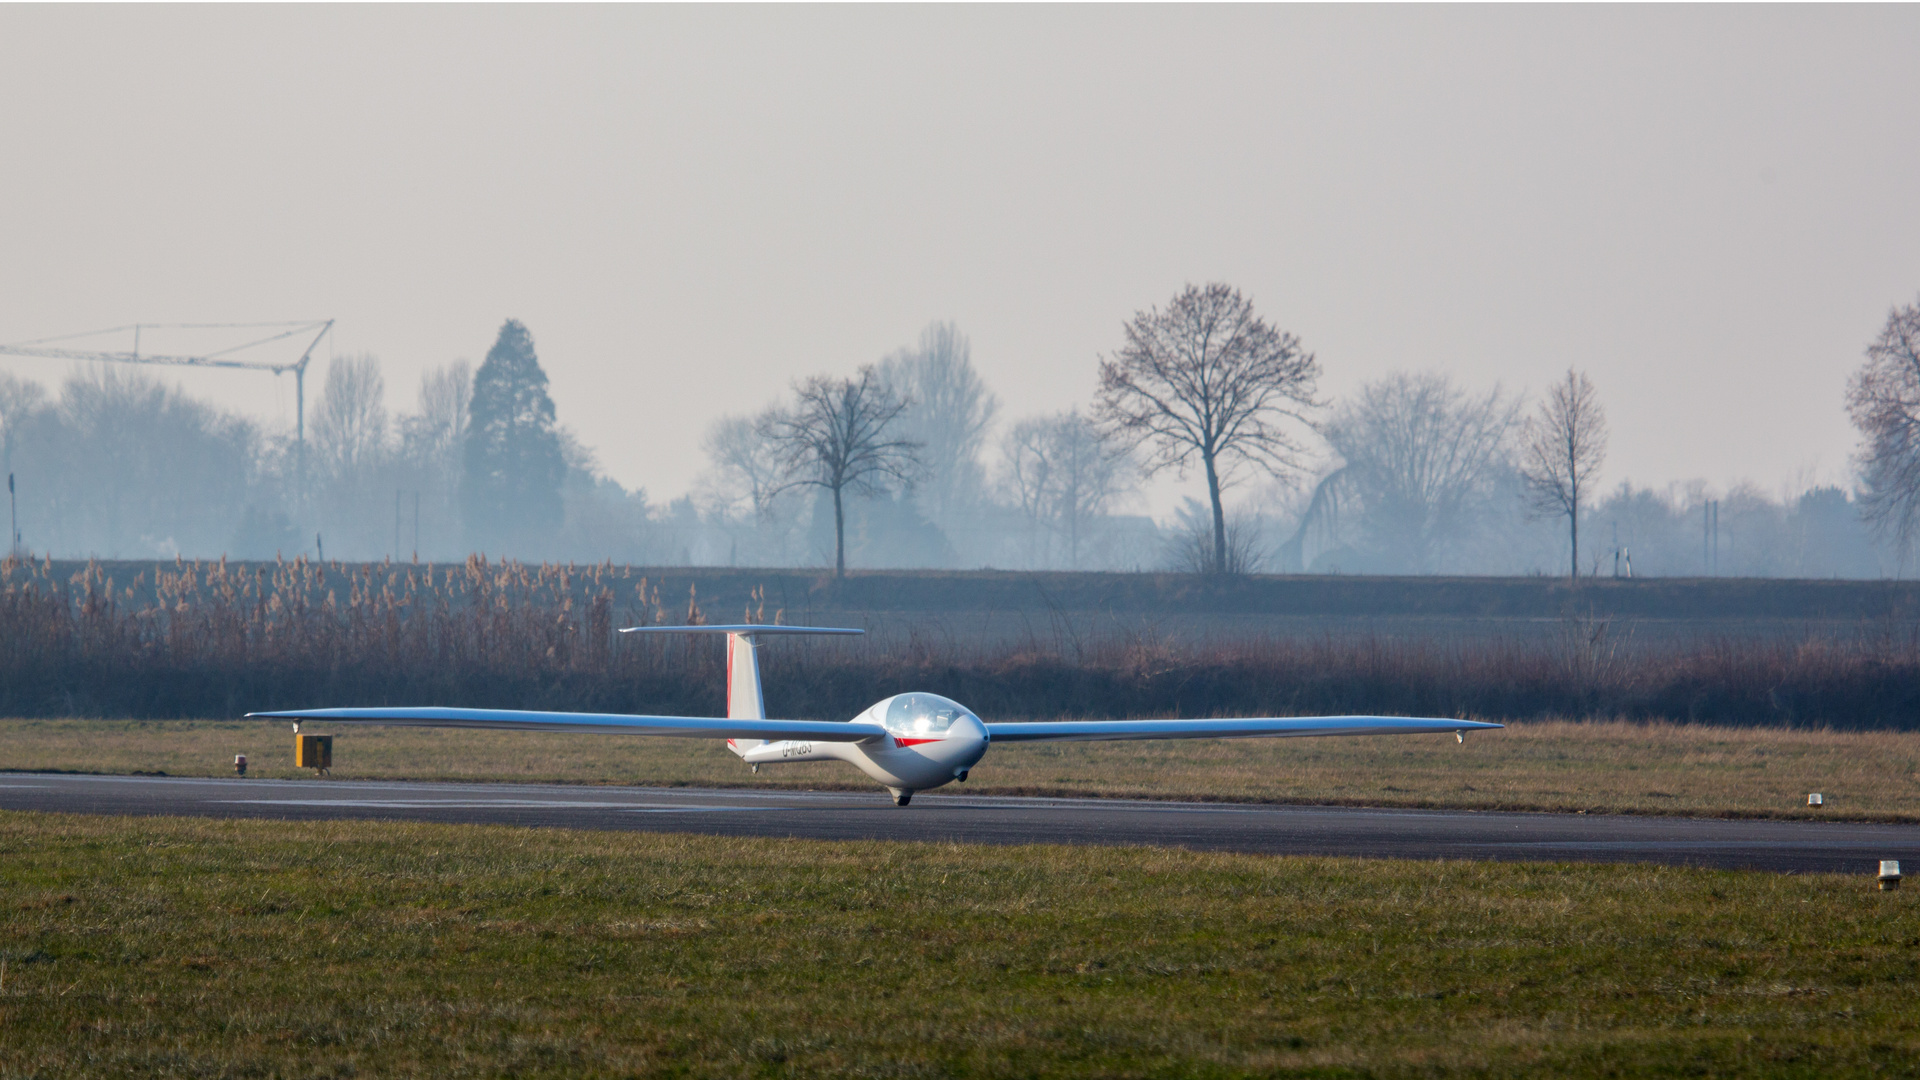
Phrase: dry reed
(201, 639)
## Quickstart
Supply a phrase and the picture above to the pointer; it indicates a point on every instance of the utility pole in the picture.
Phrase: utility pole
(300, 428)
(396, 524)
(1710, 537)
(13, 519)
(416, 526)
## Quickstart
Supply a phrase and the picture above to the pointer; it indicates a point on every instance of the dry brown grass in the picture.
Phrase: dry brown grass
(1614, 767)
(211, 639)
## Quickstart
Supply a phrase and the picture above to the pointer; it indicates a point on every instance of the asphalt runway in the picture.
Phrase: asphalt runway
(1787, 846)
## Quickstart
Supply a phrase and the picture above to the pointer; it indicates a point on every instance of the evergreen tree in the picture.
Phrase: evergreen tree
(513, 467)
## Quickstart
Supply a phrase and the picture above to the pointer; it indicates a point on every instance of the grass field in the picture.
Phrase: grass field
(197, 948)
(1598, 766)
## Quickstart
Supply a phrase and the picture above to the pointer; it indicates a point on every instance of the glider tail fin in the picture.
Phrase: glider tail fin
(744, 700)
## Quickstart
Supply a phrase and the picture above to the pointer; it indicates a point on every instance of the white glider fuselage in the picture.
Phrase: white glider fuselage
(929, 740)
(904, 759)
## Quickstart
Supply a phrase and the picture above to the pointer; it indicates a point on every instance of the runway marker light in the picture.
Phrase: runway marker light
(1889, 874)
(1816, 799)
(239, 764)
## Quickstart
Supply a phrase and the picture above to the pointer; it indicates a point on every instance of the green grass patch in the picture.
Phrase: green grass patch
(233, 948)
(1612, 767)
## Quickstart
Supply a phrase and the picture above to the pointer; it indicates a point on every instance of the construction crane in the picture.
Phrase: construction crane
(51, 349)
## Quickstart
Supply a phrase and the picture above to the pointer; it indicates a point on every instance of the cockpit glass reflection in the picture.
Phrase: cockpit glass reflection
(923, 714)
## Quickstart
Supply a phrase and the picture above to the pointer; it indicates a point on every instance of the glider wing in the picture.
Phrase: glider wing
(1263, 728)
(517, 720)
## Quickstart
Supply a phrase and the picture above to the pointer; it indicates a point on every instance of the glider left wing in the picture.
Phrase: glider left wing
(1263, 728)
(696, 727)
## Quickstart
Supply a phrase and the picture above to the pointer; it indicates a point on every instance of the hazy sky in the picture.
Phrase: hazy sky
(1709, 209)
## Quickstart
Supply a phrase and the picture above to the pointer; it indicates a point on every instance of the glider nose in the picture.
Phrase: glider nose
(969, 727)
(964, 746)
(931, 741)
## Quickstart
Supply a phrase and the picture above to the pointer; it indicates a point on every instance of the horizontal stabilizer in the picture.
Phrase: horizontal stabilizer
(695, 727)
(1264, 728)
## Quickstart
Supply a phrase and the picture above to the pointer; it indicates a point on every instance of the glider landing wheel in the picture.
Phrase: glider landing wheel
(901, 796)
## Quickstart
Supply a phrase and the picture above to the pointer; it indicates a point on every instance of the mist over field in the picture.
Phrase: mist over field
(1578, 292)
(1413, 474)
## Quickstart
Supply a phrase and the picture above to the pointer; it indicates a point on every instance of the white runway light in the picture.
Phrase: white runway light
(1816, 799)
(1889, 874)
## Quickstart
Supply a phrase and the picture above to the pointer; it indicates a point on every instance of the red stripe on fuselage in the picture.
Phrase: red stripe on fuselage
(915, 742)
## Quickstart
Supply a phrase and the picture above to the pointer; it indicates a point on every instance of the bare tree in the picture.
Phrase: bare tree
(123, 464)
(446, 395)
(949, 409)
(1026, 479)
(431, 438)
(19, 399)
(1063, 472)
(747, 463)
(1189, 549)
(1208, 379)
(432, 449)
(1422, 459)
(1561, 449)
(838, 435)
(1883, 400)
(350, 426)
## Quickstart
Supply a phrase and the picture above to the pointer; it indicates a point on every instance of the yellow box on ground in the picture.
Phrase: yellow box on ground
(313, 751)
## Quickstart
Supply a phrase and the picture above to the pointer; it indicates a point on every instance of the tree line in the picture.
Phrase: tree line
(909, 462)
(119, 464)
(1412, 473)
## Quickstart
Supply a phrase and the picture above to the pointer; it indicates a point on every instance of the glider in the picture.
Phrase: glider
(908, 742)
